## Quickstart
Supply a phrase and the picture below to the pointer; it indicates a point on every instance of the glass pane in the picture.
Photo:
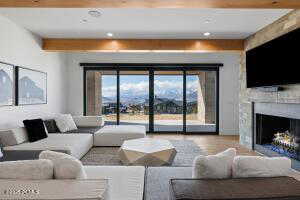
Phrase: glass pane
(201, 101)
(134, 98)
(108, 82)
(168, 101)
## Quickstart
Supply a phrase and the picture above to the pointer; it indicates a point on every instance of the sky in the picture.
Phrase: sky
(138, 85)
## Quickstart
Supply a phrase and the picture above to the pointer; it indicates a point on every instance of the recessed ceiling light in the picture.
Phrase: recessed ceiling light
(207, 21)
(206, 34)
(95, 13)
(109, 34)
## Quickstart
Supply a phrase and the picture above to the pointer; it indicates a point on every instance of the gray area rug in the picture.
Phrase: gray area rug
(187, 150)
(158, 178)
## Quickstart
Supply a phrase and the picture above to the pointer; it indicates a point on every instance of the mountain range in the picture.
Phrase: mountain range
(129, 98)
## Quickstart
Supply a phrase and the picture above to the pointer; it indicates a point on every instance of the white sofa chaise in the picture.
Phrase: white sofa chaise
(115, 135)
(76, 145)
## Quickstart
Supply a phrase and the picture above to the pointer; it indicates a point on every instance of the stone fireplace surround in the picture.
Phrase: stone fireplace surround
(289, 94)
(283, 115)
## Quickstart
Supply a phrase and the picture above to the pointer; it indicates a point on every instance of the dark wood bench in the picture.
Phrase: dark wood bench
(277, 188)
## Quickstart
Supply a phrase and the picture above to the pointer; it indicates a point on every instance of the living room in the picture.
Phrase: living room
(149, 100)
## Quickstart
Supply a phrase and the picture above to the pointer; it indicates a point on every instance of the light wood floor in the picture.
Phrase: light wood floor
(212, 144)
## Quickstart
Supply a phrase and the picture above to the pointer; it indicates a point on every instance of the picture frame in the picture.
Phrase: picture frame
(31, 88)
(7, 84)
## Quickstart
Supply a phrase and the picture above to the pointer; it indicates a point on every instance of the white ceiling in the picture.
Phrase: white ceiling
(143, 23)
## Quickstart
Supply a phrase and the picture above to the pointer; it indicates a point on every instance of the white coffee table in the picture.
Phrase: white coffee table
(147, 152)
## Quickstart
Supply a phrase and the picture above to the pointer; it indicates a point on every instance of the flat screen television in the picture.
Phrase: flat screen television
(274, 63)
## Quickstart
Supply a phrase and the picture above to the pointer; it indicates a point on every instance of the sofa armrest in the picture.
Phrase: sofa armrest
(88, 121)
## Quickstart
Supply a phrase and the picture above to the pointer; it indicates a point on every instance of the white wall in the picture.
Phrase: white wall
(229, 85)
(20, 47)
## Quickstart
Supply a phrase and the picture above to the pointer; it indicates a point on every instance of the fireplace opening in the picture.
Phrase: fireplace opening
(279, 134)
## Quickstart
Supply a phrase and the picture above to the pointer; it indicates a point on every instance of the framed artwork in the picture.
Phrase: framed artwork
(31, 87)
(7, 84)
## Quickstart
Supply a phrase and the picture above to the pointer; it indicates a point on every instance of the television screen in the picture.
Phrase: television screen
(275, 62)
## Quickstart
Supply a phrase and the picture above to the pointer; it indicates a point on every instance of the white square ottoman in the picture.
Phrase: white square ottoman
(115, 135)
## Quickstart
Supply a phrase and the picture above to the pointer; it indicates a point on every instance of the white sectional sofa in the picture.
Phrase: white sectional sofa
(77, 143)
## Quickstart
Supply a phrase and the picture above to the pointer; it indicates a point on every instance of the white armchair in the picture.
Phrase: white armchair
(88, 121)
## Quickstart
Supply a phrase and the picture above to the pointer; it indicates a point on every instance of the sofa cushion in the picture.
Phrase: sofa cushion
(214, 166)
(51, 126)
(35, 129)
(125, 183)
(13, 137)
(90, 130)
(258, 166)
(76, 145)
(65, 123)
(27, 169)
(279, 188)
(65, 166)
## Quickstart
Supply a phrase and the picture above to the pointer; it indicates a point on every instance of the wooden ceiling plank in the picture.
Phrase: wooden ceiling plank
(104, 45)
(278, 4)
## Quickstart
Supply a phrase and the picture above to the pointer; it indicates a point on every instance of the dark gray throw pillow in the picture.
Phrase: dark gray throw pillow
(51, 126)
(35, 129)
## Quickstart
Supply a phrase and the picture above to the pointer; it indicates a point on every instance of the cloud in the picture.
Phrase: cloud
(192, 86)
(110, 91)
(163, 87)
(142, 88)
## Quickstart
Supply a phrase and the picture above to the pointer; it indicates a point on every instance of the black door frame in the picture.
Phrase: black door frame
(151, 68)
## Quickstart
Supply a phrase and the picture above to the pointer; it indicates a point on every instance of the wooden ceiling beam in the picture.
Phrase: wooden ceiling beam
(291, 4)
(141, 45)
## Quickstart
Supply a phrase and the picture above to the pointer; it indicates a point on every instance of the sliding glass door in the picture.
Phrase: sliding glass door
(101, 94)
(134, 98)
(168, 101)
(183, 100)
(108, 88)
(201, 100)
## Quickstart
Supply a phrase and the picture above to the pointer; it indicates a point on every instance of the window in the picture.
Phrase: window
(182, 100)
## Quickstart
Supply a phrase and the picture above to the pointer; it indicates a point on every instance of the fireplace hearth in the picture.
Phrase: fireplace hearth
(277, 130)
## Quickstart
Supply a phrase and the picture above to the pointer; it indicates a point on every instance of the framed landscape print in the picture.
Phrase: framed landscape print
(6, 84)
(32, 87)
